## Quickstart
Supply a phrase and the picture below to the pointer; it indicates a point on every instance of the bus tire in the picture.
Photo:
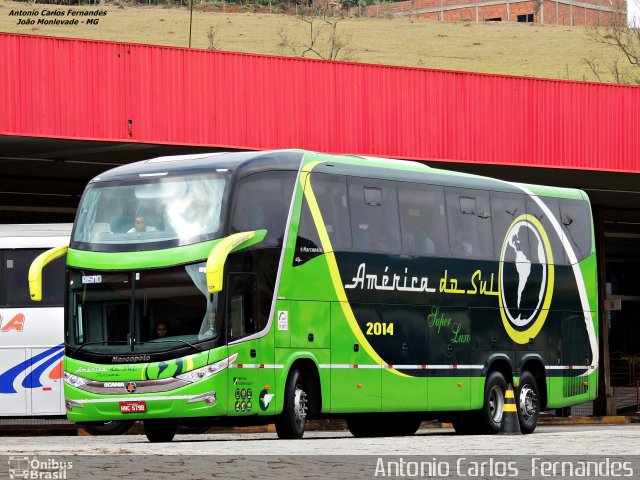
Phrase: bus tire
(107, 428)
(383, 425)
(191, 426)
(493, 408)
(467, 423)
(361, 426)
(406, 425)
(160, 430)
(290, 423)
(528, 402)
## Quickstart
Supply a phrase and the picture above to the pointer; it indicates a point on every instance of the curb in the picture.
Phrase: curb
(604, 420)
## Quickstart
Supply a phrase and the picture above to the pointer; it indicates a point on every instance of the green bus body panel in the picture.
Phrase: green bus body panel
(310, 325)
(316, 323)
(401, 394)
(352, 389)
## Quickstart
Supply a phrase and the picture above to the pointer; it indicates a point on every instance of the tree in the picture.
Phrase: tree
(322, 39)
(623, 39)
(212, 36)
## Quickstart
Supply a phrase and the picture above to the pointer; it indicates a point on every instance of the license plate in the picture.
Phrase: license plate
(133, 407)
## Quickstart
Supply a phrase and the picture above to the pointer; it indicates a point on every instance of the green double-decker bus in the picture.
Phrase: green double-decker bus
(281, 286)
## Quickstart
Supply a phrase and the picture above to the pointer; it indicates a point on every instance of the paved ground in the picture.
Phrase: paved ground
(549, 440)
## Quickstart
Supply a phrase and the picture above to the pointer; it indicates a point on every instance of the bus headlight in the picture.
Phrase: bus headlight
(207, 371)
(74, 380)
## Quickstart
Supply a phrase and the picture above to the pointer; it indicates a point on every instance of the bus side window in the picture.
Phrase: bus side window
(242, 309)
(534, 209)
(505, 209)
(469, 218)
(575, 218)
(330, 192)
(262, 200)
(423, 219)
(14, 276)
(373, 207)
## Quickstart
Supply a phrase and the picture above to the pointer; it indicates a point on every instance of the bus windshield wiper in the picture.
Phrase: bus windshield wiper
(76, 350)
(166, 340)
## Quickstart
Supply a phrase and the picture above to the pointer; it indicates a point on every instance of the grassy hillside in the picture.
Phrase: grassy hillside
(506, 48)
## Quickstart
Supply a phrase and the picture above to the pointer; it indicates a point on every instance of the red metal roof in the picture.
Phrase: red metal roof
(80, 89)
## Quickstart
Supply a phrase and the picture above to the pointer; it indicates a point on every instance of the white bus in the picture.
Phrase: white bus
(32, 333)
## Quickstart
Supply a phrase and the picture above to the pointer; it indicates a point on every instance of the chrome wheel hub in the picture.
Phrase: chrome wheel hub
(527, 402)
(300, 406)
(496, 403)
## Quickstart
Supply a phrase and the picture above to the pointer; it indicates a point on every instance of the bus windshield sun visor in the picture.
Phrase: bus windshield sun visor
(218, 256)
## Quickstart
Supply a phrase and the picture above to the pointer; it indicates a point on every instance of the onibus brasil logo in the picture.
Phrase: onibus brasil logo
(526, 256)
(38, 468)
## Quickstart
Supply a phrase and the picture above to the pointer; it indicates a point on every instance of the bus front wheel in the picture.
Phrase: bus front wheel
(160, 430)
(107, 428)
(290, 423)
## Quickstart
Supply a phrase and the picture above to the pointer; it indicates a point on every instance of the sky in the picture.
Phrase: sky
(633, 8)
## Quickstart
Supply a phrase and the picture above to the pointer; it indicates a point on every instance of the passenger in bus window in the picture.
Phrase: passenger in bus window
(409, 242)
(139, 225)
(418, 243)
(429, 245)
(162, 329)
(460, 247)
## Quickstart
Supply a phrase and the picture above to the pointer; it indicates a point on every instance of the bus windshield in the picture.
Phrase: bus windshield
(136, 215)
(143, 312)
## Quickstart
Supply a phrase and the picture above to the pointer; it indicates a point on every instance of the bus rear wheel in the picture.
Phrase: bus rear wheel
(493, 407)
(160, 430)
(528, 403)
(290, 423)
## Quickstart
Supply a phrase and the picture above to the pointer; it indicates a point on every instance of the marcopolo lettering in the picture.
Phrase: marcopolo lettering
(132, 359)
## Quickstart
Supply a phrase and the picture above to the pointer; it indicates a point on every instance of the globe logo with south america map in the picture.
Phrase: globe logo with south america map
(526, 278)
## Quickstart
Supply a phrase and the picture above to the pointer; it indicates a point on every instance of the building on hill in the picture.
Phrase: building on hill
(546, 12)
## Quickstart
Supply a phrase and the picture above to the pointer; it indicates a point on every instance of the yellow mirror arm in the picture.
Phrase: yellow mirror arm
(219, 253)
(35, 270)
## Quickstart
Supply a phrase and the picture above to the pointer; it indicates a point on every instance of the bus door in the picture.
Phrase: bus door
(12, 394)
(45, 381)
(242, 322)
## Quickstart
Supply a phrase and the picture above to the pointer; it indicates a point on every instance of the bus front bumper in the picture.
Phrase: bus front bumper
(143, 407)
